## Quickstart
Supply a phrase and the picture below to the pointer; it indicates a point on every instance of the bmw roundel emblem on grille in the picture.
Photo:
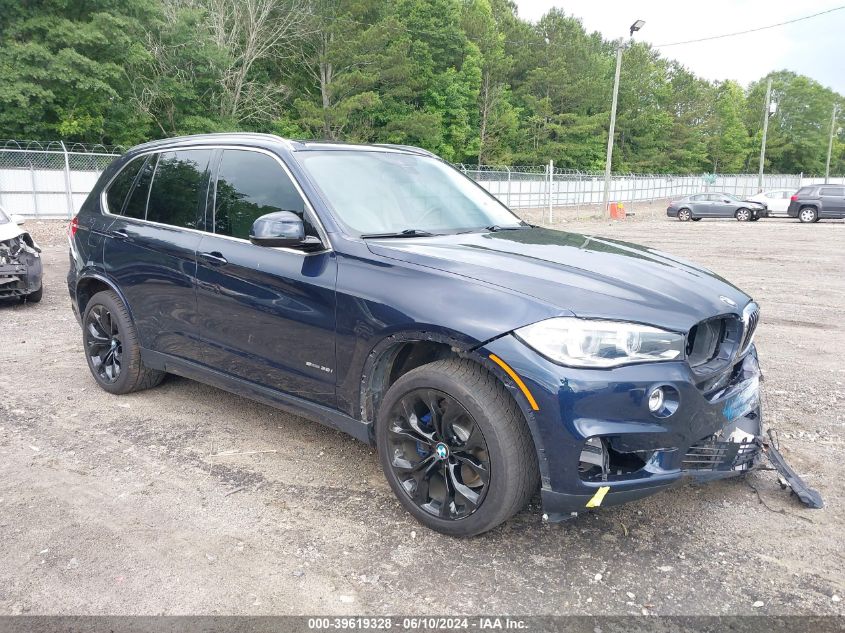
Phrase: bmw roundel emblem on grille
(442, 451)
(727, 300)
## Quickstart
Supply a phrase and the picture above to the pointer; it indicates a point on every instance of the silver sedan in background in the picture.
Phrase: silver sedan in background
(715, 205)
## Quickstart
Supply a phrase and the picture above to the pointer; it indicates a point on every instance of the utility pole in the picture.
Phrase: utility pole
(636, 26)
(610, 131)
(830, 145)
(765, 133)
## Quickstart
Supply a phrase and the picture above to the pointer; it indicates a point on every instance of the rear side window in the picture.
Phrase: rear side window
(832, 191)
(120, 186)
(249, 185)
(180, 184)
(136, 203)
(696, 198)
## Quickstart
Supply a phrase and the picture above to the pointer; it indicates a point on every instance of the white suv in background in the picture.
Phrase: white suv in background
(776, 200)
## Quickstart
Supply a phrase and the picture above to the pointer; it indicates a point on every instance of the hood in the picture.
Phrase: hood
(9, 230)
(587, 276)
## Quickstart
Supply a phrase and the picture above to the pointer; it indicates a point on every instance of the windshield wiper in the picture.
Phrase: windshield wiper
(495, 227)
(405, 233)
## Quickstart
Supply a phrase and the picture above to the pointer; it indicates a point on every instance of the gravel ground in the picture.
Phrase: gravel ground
(125, 505)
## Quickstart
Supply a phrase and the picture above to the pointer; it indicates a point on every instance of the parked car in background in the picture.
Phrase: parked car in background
(776, 201)
(20, 261)
(378, 290)
(715, 205)
(817, 202)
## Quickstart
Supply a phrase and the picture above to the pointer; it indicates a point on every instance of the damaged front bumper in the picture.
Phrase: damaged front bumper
(20, 267)
(599, 444)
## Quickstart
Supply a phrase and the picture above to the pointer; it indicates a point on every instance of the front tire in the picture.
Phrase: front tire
(112, 348)
(685, 215)
(455, 448)
(34, 297)
(808, 215)
(743, 215)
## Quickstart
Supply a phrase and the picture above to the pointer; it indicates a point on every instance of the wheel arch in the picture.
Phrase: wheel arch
(399, 353)
(90, 283)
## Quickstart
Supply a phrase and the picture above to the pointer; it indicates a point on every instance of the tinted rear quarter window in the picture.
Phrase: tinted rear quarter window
(179, 188)
(249, 185)
(136, 204)
(119, 187)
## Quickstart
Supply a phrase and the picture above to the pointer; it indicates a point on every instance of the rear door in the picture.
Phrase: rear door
(151, 248)
(833, 201)
(267, 315)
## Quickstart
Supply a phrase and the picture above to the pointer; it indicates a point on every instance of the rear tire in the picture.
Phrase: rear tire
(111, 346)
(685, 215)
(455, 448)
(808, 214)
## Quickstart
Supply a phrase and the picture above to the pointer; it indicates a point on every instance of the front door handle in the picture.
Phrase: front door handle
(119, 234)
(215, 258)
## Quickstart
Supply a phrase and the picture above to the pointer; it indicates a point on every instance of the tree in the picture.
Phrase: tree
(728, 143)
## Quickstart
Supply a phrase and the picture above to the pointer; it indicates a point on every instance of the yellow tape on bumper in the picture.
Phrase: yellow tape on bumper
(595, 502)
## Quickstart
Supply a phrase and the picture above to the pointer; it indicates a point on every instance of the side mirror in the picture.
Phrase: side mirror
(18, 219)
(282, 228)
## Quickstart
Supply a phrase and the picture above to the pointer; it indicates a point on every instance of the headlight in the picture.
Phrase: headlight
(588, 343)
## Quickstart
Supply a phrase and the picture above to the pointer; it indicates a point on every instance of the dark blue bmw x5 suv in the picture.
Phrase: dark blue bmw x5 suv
(378, 290)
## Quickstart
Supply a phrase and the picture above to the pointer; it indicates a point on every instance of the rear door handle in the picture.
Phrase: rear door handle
(215, 258)
(120, 234)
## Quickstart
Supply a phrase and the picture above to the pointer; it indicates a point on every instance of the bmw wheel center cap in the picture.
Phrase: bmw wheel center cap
(441, 450)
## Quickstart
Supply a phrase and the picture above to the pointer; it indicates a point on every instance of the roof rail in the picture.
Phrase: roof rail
(408, 148)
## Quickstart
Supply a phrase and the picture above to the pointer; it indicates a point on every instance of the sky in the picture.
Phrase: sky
(812, 47)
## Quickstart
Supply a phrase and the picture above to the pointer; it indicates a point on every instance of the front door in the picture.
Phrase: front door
(267, 314)
(150, 249)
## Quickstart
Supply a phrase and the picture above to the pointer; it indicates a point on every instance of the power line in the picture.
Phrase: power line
(549, 45)
(760, 28)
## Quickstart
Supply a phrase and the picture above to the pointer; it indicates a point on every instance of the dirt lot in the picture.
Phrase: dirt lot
(124, 505)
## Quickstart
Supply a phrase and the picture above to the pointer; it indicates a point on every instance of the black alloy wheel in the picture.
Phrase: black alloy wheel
(455, 447)
(438, 454)
(103, 344)
(111, 346)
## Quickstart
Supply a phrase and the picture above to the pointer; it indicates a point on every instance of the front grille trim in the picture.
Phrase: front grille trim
(750, 320)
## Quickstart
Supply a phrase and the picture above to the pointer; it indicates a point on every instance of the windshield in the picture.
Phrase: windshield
(375, 193)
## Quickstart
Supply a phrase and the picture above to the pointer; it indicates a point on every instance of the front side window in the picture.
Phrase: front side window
(180, 184)
(120, 186)
(249, 185)
(373, 192)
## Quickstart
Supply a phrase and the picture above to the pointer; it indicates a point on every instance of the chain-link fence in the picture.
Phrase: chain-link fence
(51, 180)
(547, 187)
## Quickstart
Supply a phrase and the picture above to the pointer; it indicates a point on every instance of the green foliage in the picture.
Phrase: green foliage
(467, 79)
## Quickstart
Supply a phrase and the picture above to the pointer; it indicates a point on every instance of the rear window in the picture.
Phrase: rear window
(832, 191)
(119, 187)
(136, 203)
(179, 188)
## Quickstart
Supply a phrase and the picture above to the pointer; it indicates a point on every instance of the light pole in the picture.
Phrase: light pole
(768, 112)
(830, 145)
(636, 26)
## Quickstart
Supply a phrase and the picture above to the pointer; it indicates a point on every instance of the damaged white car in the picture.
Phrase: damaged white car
(20, 261)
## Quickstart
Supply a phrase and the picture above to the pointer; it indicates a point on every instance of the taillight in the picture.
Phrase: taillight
(794, 198)
(73, 226)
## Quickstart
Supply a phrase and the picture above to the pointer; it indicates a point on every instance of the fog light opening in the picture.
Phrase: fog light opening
(655, 400)
(663, 401)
